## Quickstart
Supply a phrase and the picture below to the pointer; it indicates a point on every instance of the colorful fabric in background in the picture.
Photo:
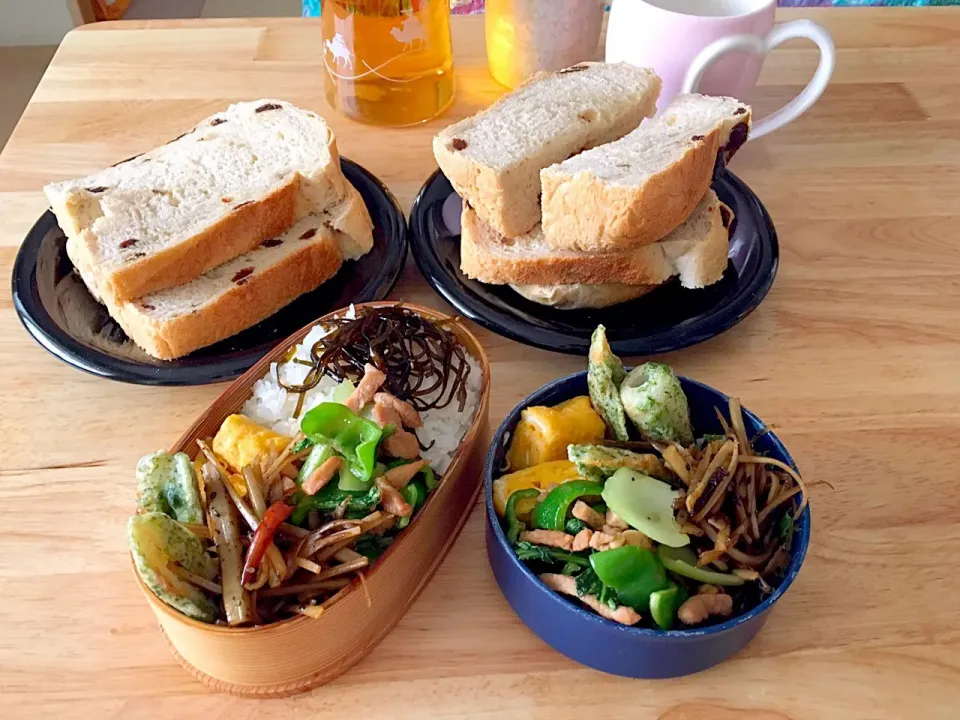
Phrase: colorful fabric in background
(311, 8)
(854, 3)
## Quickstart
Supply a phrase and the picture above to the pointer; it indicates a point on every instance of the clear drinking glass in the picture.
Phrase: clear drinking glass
(387, 62)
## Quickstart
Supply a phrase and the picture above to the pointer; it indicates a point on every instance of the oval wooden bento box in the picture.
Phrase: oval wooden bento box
(300, 653)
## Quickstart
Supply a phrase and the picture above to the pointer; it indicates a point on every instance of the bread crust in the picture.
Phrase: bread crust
(351, 219)
(237, 309)
(235, 234)
(705, 264)
(238, 231)
(482, 257)
(584, 212)
(508, 199)
(483, 186)
(480, 260)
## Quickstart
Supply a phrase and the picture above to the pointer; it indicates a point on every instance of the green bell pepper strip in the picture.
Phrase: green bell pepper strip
(683, 562)
(430, 479)
(664, 605)
(350, 482)
(514, 525)
(421, 497)
(319, 454)
(551, 513)
(633, 572)
(415, 493)
(351, 436)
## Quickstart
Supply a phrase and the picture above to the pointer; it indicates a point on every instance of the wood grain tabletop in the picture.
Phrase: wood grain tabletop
(854, 355)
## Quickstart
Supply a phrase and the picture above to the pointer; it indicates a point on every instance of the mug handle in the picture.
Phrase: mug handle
(761, 46)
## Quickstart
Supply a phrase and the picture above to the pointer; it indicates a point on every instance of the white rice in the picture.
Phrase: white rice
(273, 407)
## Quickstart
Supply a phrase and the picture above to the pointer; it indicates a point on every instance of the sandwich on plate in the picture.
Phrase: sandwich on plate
(207, 235)
(573, 218)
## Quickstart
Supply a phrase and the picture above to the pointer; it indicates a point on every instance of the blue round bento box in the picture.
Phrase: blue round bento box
(603, 644)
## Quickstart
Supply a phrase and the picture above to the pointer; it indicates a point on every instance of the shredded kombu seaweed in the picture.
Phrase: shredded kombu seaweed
(425, 363)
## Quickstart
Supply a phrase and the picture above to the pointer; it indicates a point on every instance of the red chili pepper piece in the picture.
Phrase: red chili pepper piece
(275, 515)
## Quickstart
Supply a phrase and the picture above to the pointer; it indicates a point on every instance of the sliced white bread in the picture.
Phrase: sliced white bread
(493, 159)
(582, 295)
(696, 251)
(242, 292)
(168, 216)
(634, 191)
(351, 221)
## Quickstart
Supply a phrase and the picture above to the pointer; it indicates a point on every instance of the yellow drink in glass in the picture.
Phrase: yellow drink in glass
(387, 62)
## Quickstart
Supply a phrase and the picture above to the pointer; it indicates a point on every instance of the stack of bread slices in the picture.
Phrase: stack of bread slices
(576, 201)
(207, 235)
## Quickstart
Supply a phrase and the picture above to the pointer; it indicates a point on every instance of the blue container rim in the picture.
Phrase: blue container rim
(801, 537)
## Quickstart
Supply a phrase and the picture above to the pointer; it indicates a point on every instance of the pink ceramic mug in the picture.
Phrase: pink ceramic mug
(714, 47)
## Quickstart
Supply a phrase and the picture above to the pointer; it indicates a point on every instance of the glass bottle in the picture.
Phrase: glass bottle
(387, 62)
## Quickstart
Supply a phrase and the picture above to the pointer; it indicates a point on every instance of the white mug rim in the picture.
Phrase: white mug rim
(761, 6)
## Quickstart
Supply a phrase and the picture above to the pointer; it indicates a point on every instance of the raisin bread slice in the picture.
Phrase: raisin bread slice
(696, 252)
(168, 216)
(242, 292)
(634, 191)
(494, 158)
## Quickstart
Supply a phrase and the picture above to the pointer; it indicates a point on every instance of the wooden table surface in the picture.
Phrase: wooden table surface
(854, 355)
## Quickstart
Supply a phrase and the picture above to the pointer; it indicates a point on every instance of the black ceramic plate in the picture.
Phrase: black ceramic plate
(55, 307)
(669, 318)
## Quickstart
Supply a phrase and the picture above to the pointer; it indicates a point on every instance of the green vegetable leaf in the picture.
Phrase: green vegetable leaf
(589, 584)
(785, 528)
(303, 445)
(529, 551)
(329, 498)
(372, 546)
(570, 569)
(608, 596)
(575, 525)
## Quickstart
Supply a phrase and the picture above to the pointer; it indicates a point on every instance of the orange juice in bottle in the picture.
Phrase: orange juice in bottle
(387, 62)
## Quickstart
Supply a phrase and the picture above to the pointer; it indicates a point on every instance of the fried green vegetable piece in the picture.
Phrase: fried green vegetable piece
(598, 462)
(167, 484)
(654, 401)
(604, 374)
(156, 541)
